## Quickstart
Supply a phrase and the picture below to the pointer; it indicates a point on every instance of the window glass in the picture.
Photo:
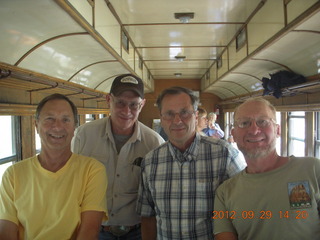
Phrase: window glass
(7, 142)
(317, 135)
(38, 142)
(278, 144)
(89, 117)
(7, 146)
(296, 137)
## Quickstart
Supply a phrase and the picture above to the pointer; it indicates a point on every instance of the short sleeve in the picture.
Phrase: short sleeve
(96, 186)
(7, 206)
(145, 204)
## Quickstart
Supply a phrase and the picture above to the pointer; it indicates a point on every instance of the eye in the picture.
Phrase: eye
(168, 115)
(263, 122)
(184, 114)
(49, 119)
(134, 105)
(120, 104)
(66, 120)
(244, 123)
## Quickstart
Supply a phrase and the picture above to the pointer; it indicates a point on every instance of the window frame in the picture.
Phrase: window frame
(290, 139)
(16, 141)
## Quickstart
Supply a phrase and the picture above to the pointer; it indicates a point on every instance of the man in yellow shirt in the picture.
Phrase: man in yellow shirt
(56, 194)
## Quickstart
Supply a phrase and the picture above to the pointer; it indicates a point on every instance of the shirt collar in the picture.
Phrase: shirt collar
(136, 136)
(190, 154)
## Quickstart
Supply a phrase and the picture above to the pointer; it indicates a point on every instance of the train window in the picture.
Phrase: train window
(317, 135)
(278, 144)
(102, 116)
(8, 148)
(296, 134)
(38, 142)
(228, 118)
(90, 117)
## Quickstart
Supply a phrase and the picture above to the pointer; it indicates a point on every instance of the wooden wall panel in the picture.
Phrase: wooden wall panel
(150, 111)
(28, 136)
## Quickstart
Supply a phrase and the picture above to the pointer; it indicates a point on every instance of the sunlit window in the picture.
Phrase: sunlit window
(90, 117)
(102, 115)
(38, 142)
(7, 148)
(317, 143)
(296, 134)
(7, 142)
(278, 144)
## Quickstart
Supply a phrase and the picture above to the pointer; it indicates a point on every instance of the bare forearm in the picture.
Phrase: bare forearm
(8, 230)
(90, 225)
(149, 228)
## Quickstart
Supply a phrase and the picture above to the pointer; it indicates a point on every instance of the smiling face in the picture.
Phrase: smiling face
(125, 109)
(180, 130)
(55, 126)
(254, 141)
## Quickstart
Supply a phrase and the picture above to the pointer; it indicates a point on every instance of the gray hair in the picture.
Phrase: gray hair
(257, 99)
(176, 91)
(56, 96)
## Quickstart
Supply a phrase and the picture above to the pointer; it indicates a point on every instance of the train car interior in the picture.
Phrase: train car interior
(224, 50)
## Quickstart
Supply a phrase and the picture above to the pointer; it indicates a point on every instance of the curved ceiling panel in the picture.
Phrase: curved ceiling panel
(27, 25)
(222, 91)
(64, 40)
(297, 52)
(94, 76)
(63, 57)
(247, 82)
(233, 88)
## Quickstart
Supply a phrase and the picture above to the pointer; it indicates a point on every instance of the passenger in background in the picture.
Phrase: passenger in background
(213, 129)
(56, 194)
(274, 197)
(120, 142)
(202, 121)
(179, 178)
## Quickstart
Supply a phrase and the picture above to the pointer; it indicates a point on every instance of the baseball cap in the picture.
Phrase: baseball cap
(127, 82)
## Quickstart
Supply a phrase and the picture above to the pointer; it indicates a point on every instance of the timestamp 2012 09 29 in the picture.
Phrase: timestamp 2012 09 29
(263, 214)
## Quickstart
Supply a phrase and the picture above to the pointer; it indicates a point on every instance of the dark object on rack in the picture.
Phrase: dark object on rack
(281, 80)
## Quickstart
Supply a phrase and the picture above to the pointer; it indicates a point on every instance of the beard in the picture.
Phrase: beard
(259, 152)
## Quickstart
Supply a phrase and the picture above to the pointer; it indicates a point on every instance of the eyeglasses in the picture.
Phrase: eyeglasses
(183, 115)
(260, 122)
(134, 106)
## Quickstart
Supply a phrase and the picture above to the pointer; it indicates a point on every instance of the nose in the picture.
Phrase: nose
(254, 127)
(176, 118)
(57, 123)
(126, 108)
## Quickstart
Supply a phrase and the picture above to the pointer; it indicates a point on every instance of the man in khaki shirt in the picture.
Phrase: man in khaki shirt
(120, 142)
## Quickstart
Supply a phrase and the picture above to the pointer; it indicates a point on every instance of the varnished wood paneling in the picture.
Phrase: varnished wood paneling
(28, 136)
(150, 111)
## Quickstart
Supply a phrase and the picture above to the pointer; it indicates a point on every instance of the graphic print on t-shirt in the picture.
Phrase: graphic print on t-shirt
(299, 194)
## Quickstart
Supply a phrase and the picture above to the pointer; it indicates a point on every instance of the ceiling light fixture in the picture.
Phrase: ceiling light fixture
(180, 58)
(184, 17)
